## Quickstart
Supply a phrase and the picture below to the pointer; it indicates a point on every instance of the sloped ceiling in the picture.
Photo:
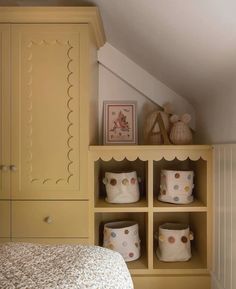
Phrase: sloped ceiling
(190, 45)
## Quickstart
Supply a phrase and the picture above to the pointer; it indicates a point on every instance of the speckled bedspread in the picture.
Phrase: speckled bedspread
(31, 266)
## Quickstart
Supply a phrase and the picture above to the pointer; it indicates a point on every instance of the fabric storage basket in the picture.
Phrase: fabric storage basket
(174, 242)
(123, 237)
(121, 187)
(176, 187)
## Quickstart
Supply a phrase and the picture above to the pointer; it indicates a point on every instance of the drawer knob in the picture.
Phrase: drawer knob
(13, 168)
(4, 168)
(48, 220)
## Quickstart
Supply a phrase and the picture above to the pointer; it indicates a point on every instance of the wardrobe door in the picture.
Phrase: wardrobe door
(45, 111)
(5, 219)
(4, 111)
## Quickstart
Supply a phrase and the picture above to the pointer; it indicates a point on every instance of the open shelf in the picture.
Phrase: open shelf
(103, 206)
(198, 225)
(200, 181)
(101, 167)
(149, 212)
(141, 218)
(195, 206)
(140, 264)
(194, 264)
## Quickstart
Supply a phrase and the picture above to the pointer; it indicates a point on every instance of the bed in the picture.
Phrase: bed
(32, 266)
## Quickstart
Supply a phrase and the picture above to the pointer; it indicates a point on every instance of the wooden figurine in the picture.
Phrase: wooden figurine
(180, 133)
(158, 126)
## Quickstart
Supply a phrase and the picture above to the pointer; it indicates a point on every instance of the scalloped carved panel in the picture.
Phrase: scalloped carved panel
(151, 153)
(47, 111)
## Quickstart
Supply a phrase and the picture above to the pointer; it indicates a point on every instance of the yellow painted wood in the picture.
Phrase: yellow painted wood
(195, 206)
(78, 241)
(172, 282)
(103, 206)
(4, 219)
(4, 240)
(88, 102)
(194, 266)
(46, 107)
(54, 88)
(4, 111)
(197, 214)
(149, 177)
(79, 15)
(172, 149)
(154, 153)
(209, 185)
(92, 172)
(35, 219)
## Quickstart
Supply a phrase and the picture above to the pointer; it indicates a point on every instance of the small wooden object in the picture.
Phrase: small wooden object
(163, 130)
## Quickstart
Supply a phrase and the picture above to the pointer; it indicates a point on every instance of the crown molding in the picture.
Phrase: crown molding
(80, 15)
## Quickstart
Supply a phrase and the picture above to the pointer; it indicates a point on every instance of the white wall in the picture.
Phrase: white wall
(216, 118)
(144, 82)
(122, 79)
(111, 87)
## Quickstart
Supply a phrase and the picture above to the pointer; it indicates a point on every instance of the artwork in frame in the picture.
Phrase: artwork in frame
(119, 122)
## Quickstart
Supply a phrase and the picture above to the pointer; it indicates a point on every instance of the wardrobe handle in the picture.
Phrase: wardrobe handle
(48, 220)
(4, 168)
(13, 168)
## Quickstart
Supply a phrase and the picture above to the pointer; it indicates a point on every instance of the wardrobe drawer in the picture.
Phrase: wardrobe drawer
(4, 219)
(34, 219)
(4, 240)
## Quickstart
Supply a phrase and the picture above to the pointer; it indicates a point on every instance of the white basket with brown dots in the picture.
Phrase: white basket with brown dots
(121, 187)
(176, 187)
(174, 242)
(123, 237)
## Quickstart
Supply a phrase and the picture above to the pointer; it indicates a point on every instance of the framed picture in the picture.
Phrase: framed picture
(119, 122)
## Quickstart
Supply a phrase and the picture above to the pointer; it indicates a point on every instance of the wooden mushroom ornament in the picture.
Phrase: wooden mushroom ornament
(180, 133)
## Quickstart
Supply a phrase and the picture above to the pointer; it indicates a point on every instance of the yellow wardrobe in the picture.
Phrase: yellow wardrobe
(48, 106)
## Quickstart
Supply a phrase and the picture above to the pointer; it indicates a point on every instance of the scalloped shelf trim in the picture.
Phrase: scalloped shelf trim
(151, 153)
(144, 158)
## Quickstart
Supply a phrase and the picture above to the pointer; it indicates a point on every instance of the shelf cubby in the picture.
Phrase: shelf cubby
(200, 183)
(141, 218)
(101, 166)
(148, 161)
(198, 225)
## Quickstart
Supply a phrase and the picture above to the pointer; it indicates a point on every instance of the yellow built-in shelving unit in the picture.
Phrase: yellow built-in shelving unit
(149, 212)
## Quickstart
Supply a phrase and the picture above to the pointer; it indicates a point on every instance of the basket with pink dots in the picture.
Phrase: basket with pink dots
(121, 187)
(176, 187)
(174, 242)
(123, 237)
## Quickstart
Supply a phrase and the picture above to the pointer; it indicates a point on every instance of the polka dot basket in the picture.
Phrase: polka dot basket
(121, 187)
(176, 187)
(174, 242)
(123, 237)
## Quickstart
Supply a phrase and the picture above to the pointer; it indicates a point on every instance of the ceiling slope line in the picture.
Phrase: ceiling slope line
(142, 81)
(128, 83)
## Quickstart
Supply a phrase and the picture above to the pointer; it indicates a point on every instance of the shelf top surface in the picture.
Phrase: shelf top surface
(148, 147)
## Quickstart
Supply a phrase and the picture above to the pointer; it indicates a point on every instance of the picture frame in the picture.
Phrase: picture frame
(119, 122)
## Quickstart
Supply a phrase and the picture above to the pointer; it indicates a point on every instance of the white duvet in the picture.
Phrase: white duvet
(31, 266)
